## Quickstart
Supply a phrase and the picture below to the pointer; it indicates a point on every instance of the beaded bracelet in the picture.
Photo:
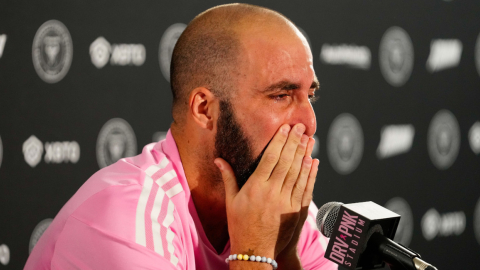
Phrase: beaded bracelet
(252, 258)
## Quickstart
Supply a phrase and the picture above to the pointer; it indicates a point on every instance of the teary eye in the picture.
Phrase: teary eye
(279, 97)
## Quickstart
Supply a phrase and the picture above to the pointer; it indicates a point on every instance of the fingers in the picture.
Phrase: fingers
(229, 180)
(312, 177)
(272, 153)
(294, 171)
(299, 188)
(287, 155)
(309, 151)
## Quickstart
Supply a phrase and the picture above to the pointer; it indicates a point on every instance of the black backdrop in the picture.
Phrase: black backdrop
(436, 191)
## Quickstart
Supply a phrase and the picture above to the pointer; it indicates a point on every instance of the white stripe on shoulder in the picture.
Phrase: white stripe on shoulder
(169, 217)
(140, 237)
(155, 168)
(174, 190)
(166, 177)
(157, 206)
(164, 162)
(152, 170)
(171, 248)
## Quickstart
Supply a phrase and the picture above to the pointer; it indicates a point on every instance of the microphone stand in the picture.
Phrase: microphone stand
(397, 256)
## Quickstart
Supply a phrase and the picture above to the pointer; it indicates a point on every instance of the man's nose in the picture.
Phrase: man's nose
(304, 114)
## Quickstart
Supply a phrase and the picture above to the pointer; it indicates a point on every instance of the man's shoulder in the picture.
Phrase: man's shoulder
(136, 200)
(125, 174)
(133, 173)
(130, 190)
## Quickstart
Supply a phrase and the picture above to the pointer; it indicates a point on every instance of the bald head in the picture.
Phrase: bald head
(209, 51)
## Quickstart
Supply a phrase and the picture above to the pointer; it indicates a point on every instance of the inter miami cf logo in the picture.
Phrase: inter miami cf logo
(396, 56)
(443, 139)
(38, 232)
(52, 51)
(405, 226)
(115, 141)
(167, 43)
(345, 143)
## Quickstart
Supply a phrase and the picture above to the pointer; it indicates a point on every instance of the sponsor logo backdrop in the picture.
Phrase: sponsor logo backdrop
(398, 115)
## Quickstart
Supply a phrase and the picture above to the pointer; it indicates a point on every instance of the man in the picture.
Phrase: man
(234, 175)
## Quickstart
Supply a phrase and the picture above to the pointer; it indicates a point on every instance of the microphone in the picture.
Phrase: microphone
(361, 237)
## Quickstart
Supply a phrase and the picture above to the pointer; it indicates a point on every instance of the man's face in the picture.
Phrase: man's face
(233, 146)
(276, 83)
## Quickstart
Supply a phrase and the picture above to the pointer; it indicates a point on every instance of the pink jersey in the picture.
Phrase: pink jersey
(138, 214)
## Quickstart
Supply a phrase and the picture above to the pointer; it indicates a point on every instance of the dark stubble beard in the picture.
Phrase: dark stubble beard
(232, 144)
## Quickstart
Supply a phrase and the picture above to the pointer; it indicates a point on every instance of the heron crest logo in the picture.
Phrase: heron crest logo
(115, 141)
(396, 56)
(52, 51)
(345, 143)
(167, 44)
(443, 139)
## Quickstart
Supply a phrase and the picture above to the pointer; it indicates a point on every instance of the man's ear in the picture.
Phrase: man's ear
(203, 107)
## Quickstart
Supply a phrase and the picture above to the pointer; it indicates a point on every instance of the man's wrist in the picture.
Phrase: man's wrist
(253, 250)
(253, 259)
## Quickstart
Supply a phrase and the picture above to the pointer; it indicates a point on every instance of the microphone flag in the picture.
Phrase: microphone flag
(354, 225)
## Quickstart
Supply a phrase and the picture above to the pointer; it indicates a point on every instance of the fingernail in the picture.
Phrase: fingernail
(285, 129)
(307, 160)
(300, 129)
(219, 165)
(304, 139)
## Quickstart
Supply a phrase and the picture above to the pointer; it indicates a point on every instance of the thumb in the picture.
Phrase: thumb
(229, 180)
